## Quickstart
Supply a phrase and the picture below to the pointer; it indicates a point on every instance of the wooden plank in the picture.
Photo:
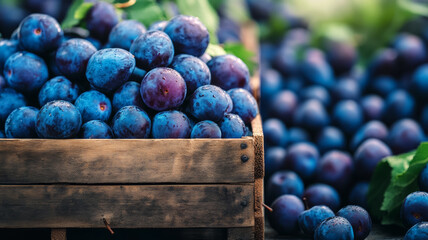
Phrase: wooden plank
(132, 206)
(24, 161)
(240, 233)
(259, 162)
(259, 214)
(58, 234)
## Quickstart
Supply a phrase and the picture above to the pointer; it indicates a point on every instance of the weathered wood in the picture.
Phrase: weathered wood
(240, 233)
(259, 223)
(121, 161)
(135, 206)
(259, 162)
(58, 234)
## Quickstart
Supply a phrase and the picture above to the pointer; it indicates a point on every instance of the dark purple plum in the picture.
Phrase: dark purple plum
(311, 218)
(228, 71)
(158, 26)
(368, 155)
(286, 61)
(58, 88)
(283, 105)
(359, 218)
(346, 89)
(336, 169)
(193, 70)
(373, 107)
(163, 89)
(348, 116)
(72, 58)
(274, 160)
(322, 194)
(206, 129)
(341, 55)
(9, 101)
(284, 182)
(294, 83)
(127, 95)
(398, 105)
(275, 132)
(40, 33)
(383, 85)
(93, 105)
(188, 34)
(58, 119)
(411, 51)
(25, 72)
(334, 228)
(232, 126)
(330, 138)
(404, 136)
(3, 83)
(423, 119)
(97, 44)
(417, 232)
(286, 210)
(358, 194)
(261, 10)
(152, 49)
(124, 33)
(110, 68)
(423, 179)
(131, 122)
(311, 115)
(96, 129)
(271, 83)
(244, 104)
(21, 123)
(384, 63)
(315, 68)
(2, 135)
(10, 17)
(209, 103)
(7, 48)
(138, 75)
(101, 19)
(316, 92)
(297, 135)
(419, 85)
(302, 158)
(372, 129)
(171, 124)
(415, 209)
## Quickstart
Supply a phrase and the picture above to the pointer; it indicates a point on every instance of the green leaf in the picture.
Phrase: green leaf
(247, 56)
(82, 10)
(215, 50)
(378, 185)
(414, 7)
(146, 12)
(204, 11)
(70, 20)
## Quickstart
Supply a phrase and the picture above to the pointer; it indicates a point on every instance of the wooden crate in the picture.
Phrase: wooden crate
(145, 183)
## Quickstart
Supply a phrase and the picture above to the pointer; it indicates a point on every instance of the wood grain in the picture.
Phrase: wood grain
(149, 206)
(240, 233)
(104, 161)
(59, 234)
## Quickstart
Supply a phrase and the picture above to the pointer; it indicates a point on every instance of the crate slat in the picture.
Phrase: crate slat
(45, 161)
(135, 206)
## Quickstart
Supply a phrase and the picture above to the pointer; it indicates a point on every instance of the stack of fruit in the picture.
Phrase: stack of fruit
(123, 81)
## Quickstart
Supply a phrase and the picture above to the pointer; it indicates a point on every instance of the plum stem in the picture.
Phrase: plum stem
(125, 4)
(305, 201)
(267, 207)
(108, 226)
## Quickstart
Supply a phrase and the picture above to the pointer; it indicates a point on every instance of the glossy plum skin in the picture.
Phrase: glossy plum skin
(244, 104)
(40, 33)
(297, 135)
(330, 138)
(171, 124)
(7, 48)
(322, 194)
(127, 95)
(334, 228)
(372, 129)
(418, 231)
(9, 101)
(228, 71)
(404, 136)
(316, 92)
(21, 123)
(286, 210)
(72, 58)
(336, 169)
(414, 209)
(398, 105)
(348, 116)
(193, 70)
(341, 56)
(411, 51)
(58, 88)
(93, 105)
(153, 49)
(311, 115)
(311, 218)
(368, 155)
(206, 129)
(283, 105)
(209, 103)
(96, 129)
(101, 19)
(315, 68)
(131, 122)
(358, 194)
(124, 33)
(23, 78)
(423, 179)
(109, 68)
(232, 126)
(275, 132)
(274, 160)
(188, 34)
(346, 89)
(58, 119)
(283, 182)
(163, 89)
(373, 107)
(359, 218)
(302, 158)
